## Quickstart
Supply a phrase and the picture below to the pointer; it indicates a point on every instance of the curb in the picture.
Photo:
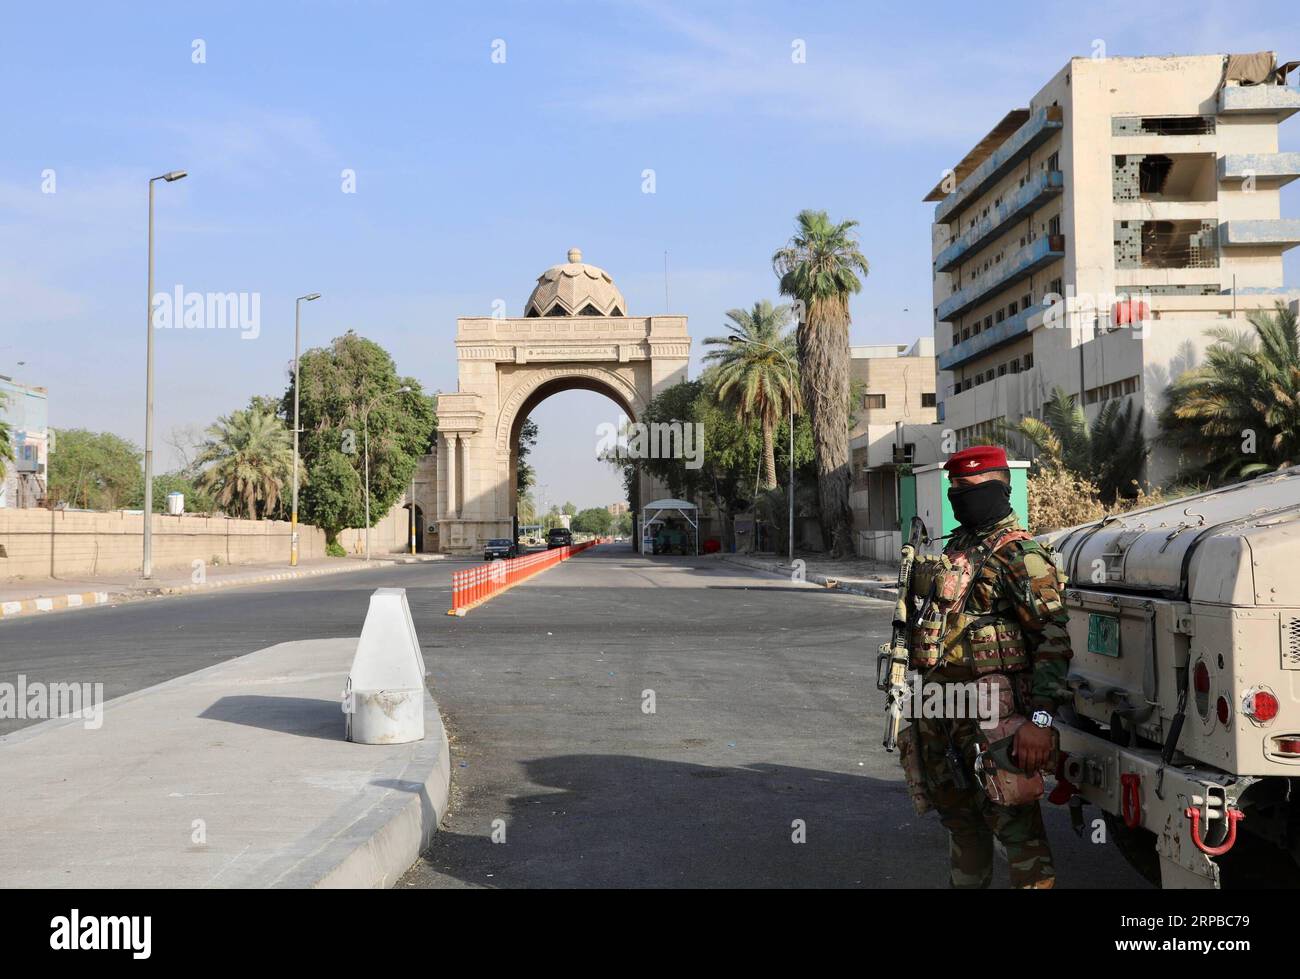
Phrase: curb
(362, 845)
(9, 610)
(257, 580)
(880, 591)
(373, 847)
(56, 603)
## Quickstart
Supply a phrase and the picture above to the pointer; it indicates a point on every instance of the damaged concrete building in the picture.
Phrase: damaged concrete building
(1092, 239)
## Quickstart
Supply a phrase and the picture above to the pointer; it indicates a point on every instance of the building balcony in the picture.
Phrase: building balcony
(1274, 100)
(1275, 233)
(998, 335)
(1037, 191)
(1275, 168)
(1018, 266)
(1040, 127)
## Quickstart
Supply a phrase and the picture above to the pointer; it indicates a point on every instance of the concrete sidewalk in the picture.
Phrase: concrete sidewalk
(858, 576)
(234, 776)
(23, 597)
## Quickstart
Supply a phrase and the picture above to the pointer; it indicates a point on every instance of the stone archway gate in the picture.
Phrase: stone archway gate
(506, 367)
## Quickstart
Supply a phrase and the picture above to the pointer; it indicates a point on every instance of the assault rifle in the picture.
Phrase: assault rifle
(891, 664)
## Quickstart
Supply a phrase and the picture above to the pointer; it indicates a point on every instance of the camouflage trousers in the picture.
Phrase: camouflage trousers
(973, 821)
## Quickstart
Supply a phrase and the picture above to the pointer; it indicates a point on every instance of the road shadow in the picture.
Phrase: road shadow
(307, 717)
(759, 585)
(621, 821)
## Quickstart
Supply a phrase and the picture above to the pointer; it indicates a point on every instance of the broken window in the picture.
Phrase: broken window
(1162, 126)
(1186, 244)
(1164, 177)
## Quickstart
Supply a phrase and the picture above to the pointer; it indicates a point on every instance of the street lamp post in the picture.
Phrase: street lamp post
(365, 430)
(732, 338)
(146, 563)
(297, 346)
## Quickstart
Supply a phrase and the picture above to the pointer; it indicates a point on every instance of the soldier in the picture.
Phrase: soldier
(1001, 612)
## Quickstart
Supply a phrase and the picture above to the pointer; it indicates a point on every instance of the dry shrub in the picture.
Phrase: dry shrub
(1059, 498)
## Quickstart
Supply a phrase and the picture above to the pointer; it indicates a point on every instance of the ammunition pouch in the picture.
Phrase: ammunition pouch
(945, 633)
(1001, 780)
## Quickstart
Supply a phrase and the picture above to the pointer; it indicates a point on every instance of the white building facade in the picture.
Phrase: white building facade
(25, 409)
(1142, 193)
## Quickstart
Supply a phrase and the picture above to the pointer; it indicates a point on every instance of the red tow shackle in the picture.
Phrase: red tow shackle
(1130, 799)
(1234, 816)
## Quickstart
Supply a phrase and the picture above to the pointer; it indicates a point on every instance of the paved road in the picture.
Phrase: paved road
(140, 643)
(765, 713)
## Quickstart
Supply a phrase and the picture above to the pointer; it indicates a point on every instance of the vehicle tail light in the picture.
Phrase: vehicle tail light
(1287, 744)
(1201, 677)
(1260, 705)
(1223, 711)
(1201, 684)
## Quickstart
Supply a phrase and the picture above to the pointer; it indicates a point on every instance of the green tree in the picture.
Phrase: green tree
(755, 376)
(526, 507)
(94, 470)
(1109, 452)
(334, 488)
(568, 509)
(247, 462)
(196, 500)
(343, 384)
(593, 520)
(623, 524)
(730, 456)
(820, 268)
(525, 474)
(1241, 408)
(6, 435)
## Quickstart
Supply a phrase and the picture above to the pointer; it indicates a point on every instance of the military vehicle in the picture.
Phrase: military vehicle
(1185, 728)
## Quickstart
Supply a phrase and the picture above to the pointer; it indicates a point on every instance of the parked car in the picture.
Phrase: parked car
(500, 547)
(559, 537)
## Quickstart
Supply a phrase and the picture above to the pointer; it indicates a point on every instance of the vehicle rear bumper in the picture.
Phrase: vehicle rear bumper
(1127, 783)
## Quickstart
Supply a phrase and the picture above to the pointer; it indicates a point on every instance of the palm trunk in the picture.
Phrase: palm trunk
(769, 455)
(824, 358)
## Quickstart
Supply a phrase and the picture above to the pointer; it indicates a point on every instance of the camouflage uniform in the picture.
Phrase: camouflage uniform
(1016, 600)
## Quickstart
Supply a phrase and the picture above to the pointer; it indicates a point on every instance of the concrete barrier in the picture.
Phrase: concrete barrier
(383, 701)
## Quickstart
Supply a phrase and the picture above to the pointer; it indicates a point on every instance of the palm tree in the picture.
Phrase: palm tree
(754, 374)
(819, 269)
(1242, 406)
(1109, 452)
(246, 462)
(6, 438)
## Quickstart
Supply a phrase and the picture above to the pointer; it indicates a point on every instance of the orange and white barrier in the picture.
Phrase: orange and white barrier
(476, 585)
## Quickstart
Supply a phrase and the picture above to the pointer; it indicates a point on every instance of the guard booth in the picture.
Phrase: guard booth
(664, 519)
(923, 493)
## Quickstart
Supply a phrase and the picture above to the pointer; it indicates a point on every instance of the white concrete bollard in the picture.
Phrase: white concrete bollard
(384, 698)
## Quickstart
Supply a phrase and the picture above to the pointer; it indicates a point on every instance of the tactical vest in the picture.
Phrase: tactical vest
(945, 632)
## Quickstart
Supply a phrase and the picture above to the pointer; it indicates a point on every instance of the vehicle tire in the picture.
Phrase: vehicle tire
(1257, 864)
(1136, 846)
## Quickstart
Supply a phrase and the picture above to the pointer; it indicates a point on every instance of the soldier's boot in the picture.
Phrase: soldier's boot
(1029, 858)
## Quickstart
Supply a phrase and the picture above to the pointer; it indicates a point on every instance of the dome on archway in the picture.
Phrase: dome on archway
(575, 289)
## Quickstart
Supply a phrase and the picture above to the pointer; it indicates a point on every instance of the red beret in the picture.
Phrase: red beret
(977, 459)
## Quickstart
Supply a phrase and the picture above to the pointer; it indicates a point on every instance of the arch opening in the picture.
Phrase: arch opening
(603, 427)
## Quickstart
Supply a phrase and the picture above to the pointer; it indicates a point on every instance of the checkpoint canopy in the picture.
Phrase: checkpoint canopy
(655, 515)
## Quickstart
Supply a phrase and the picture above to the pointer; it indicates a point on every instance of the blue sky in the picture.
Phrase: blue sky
(472, 177)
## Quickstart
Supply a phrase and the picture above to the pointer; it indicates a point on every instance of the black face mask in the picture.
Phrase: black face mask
(981, 504)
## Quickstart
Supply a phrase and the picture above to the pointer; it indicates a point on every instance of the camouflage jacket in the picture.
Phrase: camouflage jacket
(1020, 583)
